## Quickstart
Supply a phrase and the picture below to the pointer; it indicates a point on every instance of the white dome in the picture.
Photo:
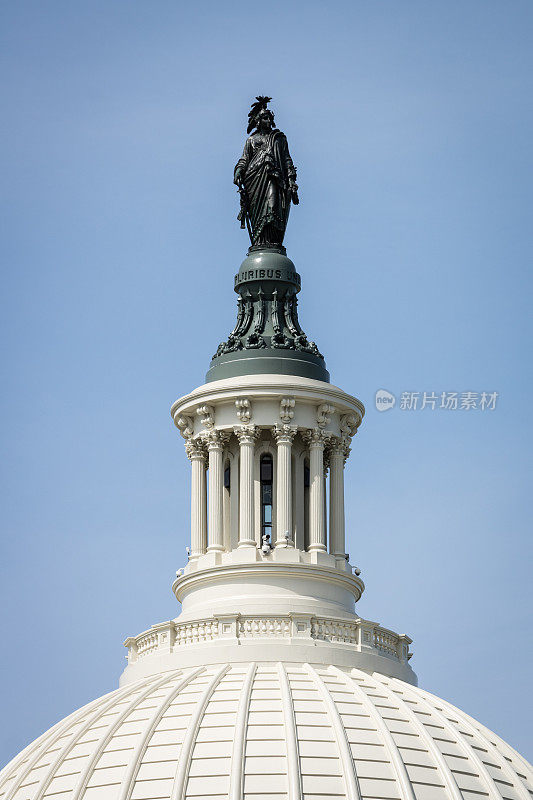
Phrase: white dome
(266, 731)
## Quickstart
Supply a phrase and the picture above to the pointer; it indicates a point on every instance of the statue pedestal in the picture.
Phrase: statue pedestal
(267, 338)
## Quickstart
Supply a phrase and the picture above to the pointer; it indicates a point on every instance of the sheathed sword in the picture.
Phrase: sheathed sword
(244, 216)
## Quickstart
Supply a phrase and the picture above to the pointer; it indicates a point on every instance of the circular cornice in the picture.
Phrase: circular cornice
(265, 386)
(184, 583)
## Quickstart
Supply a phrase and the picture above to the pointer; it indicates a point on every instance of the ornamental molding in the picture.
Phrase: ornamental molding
(185, 424)
(286, 409)
(207, 416)
(349, 424)
(323, 414)
(243, 406)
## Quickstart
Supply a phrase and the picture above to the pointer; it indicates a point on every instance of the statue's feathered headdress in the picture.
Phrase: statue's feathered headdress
(261, 103)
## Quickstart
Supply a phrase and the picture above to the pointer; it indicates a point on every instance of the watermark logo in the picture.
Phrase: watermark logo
(384, 400)
(447, 401)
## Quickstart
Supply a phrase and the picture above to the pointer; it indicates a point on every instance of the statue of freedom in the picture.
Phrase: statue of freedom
(266, 178)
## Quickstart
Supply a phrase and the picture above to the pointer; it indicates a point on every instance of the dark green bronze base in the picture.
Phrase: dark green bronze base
(267, 338)
(267, 362)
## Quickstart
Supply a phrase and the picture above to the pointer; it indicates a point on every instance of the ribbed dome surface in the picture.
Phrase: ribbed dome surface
(265, 732)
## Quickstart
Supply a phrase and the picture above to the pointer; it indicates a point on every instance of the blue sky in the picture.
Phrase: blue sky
(411, 127)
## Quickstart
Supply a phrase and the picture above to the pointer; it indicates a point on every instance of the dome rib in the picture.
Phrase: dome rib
(57, 732)
(401, 772)
(447, 774)
(475, 732)
(179, 789)
(349, 772)
(78, 733)
(291, 736)
(465, 746)
(239, 742)
(10, 769)
(109, 732)
(128, 781)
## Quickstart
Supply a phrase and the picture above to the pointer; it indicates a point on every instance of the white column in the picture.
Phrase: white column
(325, 495)
(215, 448)
(247, 435)
(337, 544)
(317, 528)
(195, 451)
(284, 435)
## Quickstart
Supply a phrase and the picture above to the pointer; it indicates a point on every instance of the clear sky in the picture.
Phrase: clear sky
(411, 126)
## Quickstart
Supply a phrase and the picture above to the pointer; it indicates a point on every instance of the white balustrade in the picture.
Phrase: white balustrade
(171, 636)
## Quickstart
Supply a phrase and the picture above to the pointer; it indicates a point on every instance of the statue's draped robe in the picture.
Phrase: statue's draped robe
(266, 166)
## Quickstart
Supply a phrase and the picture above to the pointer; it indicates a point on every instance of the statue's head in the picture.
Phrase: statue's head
(260, 117)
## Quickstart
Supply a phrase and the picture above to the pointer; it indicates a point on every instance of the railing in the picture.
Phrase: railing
(252, 627)
(359, 634)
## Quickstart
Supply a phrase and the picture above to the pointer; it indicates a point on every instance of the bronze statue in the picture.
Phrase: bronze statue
(266, 178)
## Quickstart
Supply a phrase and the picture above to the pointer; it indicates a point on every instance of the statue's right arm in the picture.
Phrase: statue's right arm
(242, 163)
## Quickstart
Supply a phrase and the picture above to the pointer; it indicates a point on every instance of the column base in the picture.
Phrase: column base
(213, 558)
(321, 557)
(245, 554)
(284, 543)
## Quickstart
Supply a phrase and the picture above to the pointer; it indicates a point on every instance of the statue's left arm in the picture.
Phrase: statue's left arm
(290, 170)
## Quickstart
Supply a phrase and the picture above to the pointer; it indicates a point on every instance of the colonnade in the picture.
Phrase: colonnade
(325, 451)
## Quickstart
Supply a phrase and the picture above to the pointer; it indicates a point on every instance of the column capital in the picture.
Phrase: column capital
(315, 437)
(247, 434)
(215, 439)
(335, 444)
(284, 434)
(339, 445)
(346, 449)
(195, 449)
